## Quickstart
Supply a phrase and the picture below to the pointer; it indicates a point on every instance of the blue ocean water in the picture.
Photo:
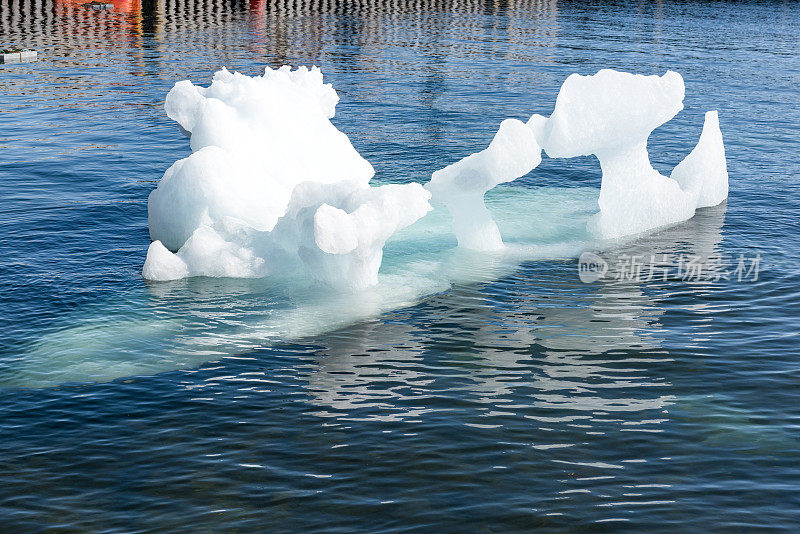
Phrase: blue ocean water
(517, 397)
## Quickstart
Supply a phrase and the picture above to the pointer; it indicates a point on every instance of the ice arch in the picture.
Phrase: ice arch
(461, 186)
(611, 115)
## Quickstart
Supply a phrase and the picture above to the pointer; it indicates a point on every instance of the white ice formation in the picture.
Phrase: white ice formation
(611, 115)
(461, 186)
(338, 230)
(273, 187)
(271, 182)
(704, 172)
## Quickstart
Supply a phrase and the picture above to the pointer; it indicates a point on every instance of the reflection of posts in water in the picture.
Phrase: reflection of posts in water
(287, 31)
(71, 26)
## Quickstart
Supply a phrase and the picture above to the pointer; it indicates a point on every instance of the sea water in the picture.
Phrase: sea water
(492, 390)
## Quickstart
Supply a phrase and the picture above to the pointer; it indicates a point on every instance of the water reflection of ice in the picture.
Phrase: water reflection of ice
(564, 355)
(532, 342)
(374, 367)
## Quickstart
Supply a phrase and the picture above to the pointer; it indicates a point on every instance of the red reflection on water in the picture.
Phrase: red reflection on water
(122, 23)
(120, 6)
(257, 19)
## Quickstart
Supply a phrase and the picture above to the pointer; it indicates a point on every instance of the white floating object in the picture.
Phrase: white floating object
(611, 114)
(704, 172)
(338, 231)
(253, 140)
(271, 187)
(98, 6)
(18, 56)
(11, 57)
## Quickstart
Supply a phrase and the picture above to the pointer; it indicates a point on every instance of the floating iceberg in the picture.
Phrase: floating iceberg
(461, 186)
(611, 115)
(275, 197)
(272, 186)
(271, 183)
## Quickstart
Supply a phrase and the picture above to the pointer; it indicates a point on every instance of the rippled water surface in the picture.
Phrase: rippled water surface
(465, 393)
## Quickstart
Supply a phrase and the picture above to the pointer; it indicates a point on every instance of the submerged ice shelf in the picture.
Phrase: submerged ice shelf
(181, 324)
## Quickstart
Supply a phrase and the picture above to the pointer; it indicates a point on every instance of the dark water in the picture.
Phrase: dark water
(526, 400)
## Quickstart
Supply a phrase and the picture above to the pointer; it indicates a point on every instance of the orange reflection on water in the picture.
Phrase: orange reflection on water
(125, 19)
(123, 6)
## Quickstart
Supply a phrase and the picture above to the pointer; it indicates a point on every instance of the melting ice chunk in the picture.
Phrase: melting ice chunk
(253, 140)
(513, 152)
(271, 185)
(611, 115)
(206, 253)
(610, 112)
(704, 172)
(335, 233)
(338, 230)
